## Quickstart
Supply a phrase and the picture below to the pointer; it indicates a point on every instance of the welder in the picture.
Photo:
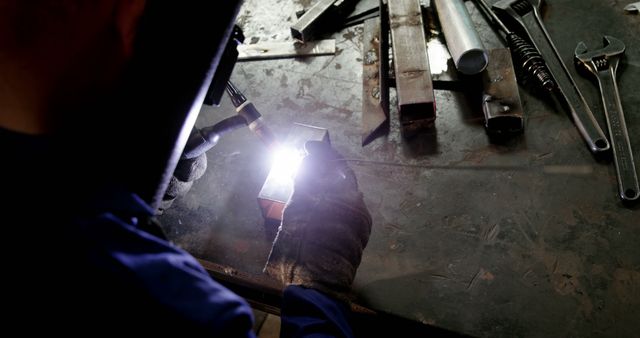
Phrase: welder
(75, 158)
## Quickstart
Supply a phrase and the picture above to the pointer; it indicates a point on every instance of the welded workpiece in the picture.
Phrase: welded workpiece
(375, 71)
(603, 63)
(501, 102)
(287, 49)
(463, 41)
(416, 101)
(278, 186)
(324, 14)
(525, 15)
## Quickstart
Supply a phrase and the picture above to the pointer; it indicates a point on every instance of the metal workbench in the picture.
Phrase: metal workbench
(524, 239)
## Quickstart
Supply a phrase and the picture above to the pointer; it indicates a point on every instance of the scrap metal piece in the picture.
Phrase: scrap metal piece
(361, 17)
(526, 15)
(318, 17)
(603, 63)
(501, 102)
(633, 8)
(375, 70)
(416, 100)
(279, 50)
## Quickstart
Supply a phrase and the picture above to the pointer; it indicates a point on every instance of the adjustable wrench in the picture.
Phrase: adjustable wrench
(526, 15)
(603, 63)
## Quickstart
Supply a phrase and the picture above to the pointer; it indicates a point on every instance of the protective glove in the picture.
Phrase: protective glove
(325, 226)
(187, 171)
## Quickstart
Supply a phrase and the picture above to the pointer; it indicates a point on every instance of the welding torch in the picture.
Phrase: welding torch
(201, 140)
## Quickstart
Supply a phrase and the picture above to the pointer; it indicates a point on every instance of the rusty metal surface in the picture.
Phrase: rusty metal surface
(491, 251)
(375, 73)
(502, 107)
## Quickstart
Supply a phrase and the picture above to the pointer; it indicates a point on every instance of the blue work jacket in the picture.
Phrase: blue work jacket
(84, 263)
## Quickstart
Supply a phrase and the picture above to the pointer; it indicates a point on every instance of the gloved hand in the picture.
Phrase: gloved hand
(325, 226)
(187, 171)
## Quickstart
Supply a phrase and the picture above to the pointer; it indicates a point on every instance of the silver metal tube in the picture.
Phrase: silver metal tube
(463, 41)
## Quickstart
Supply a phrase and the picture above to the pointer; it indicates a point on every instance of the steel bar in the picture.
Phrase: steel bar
(375, 89)
(279, 50)
(414, 87)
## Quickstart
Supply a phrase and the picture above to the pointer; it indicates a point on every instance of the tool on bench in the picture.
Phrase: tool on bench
(526, 16)
(530, 63)
(603, 63)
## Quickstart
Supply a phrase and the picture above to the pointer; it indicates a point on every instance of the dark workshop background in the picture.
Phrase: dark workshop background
(522, 239)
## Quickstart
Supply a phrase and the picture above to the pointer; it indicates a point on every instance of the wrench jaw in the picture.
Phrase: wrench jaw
(601, 59)
(517, 8)
(584, 62)
(614, 50)
(507, 14)
(612, 45)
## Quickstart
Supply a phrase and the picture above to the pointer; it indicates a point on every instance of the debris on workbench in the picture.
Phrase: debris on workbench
(288, 49)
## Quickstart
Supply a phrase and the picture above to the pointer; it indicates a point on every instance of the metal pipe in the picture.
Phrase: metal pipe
(463, 41)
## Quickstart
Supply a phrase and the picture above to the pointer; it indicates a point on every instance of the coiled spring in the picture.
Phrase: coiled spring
(530, 62)
(522, 7)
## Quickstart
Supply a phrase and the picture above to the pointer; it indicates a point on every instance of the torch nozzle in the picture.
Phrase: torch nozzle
(248, 111)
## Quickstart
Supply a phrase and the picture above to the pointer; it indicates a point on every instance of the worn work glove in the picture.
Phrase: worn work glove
(325, 226)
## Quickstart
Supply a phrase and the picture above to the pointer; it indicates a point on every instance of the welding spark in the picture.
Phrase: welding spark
(286, 162)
